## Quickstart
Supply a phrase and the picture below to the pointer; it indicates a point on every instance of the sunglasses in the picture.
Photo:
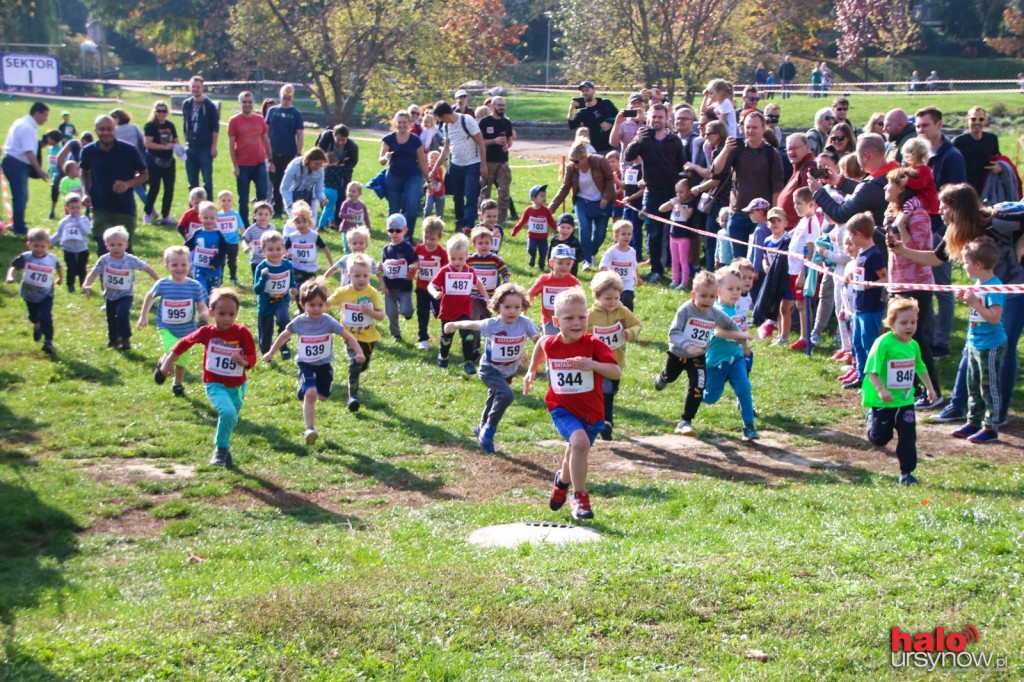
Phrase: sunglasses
(838, 138)
(976, 119)
(842, 108)
(575, 162)
(772, 119)
(395, 229)
(414, 113)
(828, 118)
(161, 111)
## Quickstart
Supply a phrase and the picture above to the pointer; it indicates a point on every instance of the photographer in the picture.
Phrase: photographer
(595, 113)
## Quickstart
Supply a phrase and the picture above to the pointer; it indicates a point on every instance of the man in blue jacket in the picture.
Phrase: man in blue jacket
(202, 128)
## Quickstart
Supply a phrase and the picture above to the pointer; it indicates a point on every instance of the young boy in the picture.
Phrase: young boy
(358, 242)
(398, 266)
(118, 271)
(574, 399)
(316, 350)
(262, 213)
(41, 272)
(889, 389)
(66, 127)
(73, 236)
(452, 286)
(352, 213)
(209, 247)
(621, 258)
(986, 343)
(868, 302)
(181, 298)
(56, 142)
(303, 243)
(724, 358)
(274, 284)
(759, 210)
(695, 323)
(616, 325)
(71, 183)
(746, 302)
(566, 229)
(538, 219)
(432, 257)
(506, 337)
(491, 270)
(190, 222)
(779, 241)
(359, 307)
(489, 219)
(550, 284)
(230, 224)
(801, 245)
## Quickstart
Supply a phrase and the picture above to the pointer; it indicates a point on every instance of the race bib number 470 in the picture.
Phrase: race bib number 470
(40, 276)
(565, 380)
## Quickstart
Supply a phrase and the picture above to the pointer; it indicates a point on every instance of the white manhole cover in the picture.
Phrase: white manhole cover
(514, 534)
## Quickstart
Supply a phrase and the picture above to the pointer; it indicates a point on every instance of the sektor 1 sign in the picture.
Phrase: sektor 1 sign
(30, 73)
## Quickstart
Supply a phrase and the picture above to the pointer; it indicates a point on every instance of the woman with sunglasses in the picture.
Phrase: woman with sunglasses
(817, 136)
(841, 139)
(160, 136)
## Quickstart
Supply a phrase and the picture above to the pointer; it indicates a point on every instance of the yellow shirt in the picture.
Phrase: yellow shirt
(614, 328)
(347, 295)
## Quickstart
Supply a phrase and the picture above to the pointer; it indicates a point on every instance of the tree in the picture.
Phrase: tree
(787, 26)
(1012, 44)
(887, 26)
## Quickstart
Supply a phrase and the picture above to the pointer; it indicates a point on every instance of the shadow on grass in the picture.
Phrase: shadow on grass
(823, 435)
(390, 475)
(94, 375)
(293, 504)
(15, 429)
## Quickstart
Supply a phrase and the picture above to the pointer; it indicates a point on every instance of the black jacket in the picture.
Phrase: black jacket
(776, 283)
(868, 195)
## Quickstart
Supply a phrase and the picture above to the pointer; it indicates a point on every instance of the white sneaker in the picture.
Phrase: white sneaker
(423, 345)
(311, 436)
(780, 341)
(684, 428)
(584, 265)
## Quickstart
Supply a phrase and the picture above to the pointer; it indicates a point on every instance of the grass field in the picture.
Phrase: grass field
(349, 561)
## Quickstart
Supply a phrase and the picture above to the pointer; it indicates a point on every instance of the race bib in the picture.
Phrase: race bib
(631, 176)
(39, 276)
(974, 318)
(203, 257)
(356, 217)
(537, 226)
(858, 279)
(304, 254)
(72, 233)
(395, 268)
(489, 278)
(677, 215)
(277, 283)
(117, 280)
(900, 374)
(698, 332)
(176, 312)
(227, 225)
(191, 229)
(496, 242)
(614, 336)
(565, 380)
(741, 321)
(428, 268)
(458, 283)
(623, 269)
(220, 360)
(314, 348)
(352, 316)
(548, 294)
(435, 187)
(505, 349)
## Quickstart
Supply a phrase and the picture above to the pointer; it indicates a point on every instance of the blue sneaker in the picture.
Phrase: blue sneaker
(948, 414)
(442, 362)
(749, 433)
(907, 479)
(486, 438)
(986, 435)
(966, 431)
(469, 367)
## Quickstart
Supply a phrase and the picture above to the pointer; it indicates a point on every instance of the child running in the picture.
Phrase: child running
(695, 323)
(489, 219)
(432, 257)
(616, 325)
(209, 248)
(550, 284)
(315, 331)
(41, 272)
(230, 351)
(566, 230)
(491, 270)
(303, 243)
(359, 307)
(574, 399)
(358, 242)
(274, 284)
(73, 236)
(230, 224)
(190, 222)
(398, 266)
(352, 213)
(621, 258)
(896, 357)
(506, 338)
(117, 269)
(452, 286)
(538, 218)
(262, 213)
(182, 299)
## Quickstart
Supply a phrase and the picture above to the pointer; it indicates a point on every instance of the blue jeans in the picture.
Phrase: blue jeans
(637, 242)
(740, 227)
(866, 327)
(1013, 323)
(653, 198)
(256, 175)
(279, 313)
(41, 313)
(17, 178)
(592, 230)
(735, 372)
(228, 403)
(331, 209)
(119, 318)
(198, 159)
(403, 192)
(463, 183)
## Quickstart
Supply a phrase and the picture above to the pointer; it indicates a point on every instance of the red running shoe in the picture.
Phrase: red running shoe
(559, 494)
(581, 506)
(838, 355)
(799, 344)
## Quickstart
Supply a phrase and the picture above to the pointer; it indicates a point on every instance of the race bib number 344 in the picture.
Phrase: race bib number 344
(565, 380)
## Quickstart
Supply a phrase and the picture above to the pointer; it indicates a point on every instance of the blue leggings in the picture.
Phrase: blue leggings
(735, 373)
(866, 327)
(228, 403)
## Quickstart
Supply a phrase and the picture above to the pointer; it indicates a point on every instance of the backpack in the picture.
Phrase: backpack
(462, 120)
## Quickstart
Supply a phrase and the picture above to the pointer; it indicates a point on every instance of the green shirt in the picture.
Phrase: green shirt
(895, 363)
(69, 184)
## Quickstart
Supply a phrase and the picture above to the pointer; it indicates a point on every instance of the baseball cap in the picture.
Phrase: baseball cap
(636, 96)
(567, 218)
(461, 93)
(397, 220)
(777, 213)
(563, 251)
(585, 84)
(537, 189)
(65, 113)
(757, 205)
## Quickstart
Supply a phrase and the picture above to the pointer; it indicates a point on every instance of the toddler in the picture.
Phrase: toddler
(611, 322)
(452, 286)
(801, 245)
(779, 241)
(71, 183)
(681, 207)
(434, 204)
(492, 271)
(303, 243)
(73, 236)
(262, 212)
(230, 224)
(398, 266)
(352, 213)
(358, 242)
(489, 219)
(538, 219)
(41, 272)
(916, 152)
(209, 247)
(359, 307)
(274, 284)
(190, 222)
(566, 230)
(868, 302)
(117, 268)
(621, 258)
(550, 284)
(432, 257)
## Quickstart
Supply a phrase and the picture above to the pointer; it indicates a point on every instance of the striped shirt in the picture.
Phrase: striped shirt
(179, 305)
(491, 270)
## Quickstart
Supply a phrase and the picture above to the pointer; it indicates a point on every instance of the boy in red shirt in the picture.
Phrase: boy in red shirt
(432, 258)
(191, 223)
(538, 218)
(452, 286)
(575, 399)
(551, 284)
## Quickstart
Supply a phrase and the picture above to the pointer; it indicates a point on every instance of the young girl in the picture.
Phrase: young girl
(262, 213)
(616, 325)
(434, 204)
(316, 350)
(230, 351)
(621, 258)
(681, 206)
(303, 243)
(889, 390)
(359, 242)
(506, 338)
(352, 214)
(916, 152)
(359, 307)
(718, 97)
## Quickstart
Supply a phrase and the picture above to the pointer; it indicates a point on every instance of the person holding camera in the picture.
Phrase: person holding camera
(596, 114)
(804, 166)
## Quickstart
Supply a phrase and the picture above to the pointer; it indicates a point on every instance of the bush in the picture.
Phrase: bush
(997, 109)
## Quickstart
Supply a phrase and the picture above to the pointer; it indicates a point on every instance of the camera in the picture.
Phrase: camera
(580, 102)
(630, 113)
(819, 173)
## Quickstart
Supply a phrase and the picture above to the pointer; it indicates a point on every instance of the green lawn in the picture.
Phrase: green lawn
(348, 560)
